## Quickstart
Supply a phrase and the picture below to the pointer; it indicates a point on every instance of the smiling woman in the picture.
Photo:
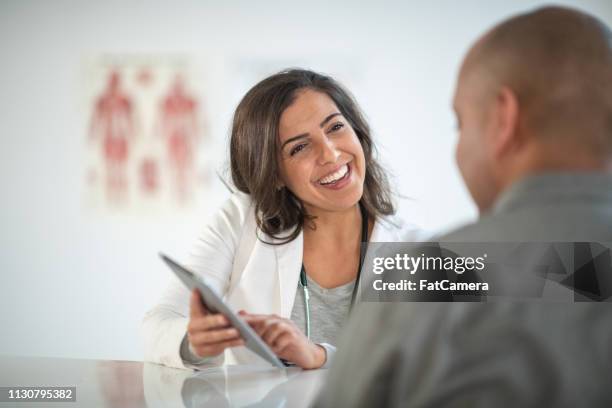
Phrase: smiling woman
(325, 166)
(291, 126)
(288, 246)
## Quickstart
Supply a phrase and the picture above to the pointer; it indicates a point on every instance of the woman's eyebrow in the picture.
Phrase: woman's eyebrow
(294, 138)
(328, 118)
(303, 135)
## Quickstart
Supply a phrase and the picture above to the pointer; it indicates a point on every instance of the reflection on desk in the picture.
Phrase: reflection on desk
(137, 384)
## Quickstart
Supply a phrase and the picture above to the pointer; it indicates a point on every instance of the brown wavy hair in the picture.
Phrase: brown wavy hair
(254, 145)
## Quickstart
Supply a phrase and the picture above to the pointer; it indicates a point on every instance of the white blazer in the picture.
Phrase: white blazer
(248, 273)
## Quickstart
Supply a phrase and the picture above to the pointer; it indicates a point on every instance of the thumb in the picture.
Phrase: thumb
(196, 308)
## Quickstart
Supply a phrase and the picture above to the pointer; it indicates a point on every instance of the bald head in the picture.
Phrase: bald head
(534, 94)
(558, 63)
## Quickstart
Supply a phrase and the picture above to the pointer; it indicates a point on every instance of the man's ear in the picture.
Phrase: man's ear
(506, 122)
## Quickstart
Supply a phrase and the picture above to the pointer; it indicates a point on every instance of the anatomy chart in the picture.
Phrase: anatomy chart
(146, 132)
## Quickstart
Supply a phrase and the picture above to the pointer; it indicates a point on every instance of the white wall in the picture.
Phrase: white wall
(76, 284)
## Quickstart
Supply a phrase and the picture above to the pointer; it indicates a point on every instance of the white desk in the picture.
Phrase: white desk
(137, 384)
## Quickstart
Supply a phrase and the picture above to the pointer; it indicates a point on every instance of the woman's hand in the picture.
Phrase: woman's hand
(286, 340)
(209, 334)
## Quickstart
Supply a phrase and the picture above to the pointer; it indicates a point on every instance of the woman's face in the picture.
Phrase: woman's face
(321, 158)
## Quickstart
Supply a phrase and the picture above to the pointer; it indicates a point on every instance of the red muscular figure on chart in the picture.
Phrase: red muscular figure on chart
(179, 127)
(112, 121)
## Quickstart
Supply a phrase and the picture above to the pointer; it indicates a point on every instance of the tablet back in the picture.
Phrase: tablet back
(216, 305)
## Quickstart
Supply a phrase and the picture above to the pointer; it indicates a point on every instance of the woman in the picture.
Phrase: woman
(286, 248)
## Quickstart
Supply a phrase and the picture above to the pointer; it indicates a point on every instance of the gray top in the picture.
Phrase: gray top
(490, 354)
(329, 310)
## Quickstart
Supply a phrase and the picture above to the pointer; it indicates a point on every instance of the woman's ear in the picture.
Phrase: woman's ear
(506, 122)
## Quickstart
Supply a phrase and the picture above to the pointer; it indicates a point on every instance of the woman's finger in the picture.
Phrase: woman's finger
(256, 318)
(259, 322)
(212, 350)
(208, 322)
(213, 336)
(196, 307)
(284, 341)
(275, 330)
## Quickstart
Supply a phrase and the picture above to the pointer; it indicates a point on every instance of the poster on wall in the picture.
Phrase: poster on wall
(146, 134)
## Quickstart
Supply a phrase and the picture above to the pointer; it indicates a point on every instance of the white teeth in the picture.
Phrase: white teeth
(335, 176)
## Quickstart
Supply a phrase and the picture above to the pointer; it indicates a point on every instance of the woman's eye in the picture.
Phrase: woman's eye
(297, 149)
(337, 127)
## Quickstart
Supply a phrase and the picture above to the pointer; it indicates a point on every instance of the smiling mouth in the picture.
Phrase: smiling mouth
(335, 177)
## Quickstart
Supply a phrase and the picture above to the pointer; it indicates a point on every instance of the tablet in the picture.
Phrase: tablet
(216, 305)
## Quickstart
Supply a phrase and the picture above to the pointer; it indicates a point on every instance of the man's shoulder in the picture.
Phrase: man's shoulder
(553, 223)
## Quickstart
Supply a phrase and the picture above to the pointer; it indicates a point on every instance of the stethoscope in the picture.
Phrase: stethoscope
(362, 252)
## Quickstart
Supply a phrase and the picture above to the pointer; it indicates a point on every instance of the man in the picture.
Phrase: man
(534, 105)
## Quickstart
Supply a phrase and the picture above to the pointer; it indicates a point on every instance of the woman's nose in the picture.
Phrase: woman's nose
(328, 153)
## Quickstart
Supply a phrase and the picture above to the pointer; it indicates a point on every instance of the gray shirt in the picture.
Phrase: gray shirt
(490, 354)
(329, 310)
